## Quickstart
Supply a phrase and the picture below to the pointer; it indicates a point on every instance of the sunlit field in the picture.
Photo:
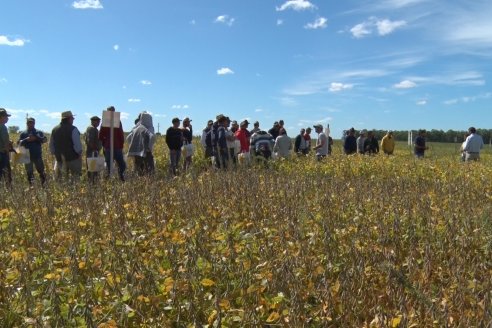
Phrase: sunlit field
(355, 241)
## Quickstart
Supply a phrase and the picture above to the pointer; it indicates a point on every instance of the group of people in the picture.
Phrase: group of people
(224, 141)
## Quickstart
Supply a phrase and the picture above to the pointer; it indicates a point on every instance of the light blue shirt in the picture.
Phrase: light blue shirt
(473, 143)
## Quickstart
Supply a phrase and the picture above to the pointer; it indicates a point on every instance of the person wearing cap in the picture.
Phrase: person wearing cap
(321, 147)
(256, 128)
(371, 144)
(350, 144)
(92, 144)
(222, 148)
(188, 142)
(388, 143)
(472, 146)
(174, 141)
(118, 141)
(360, 141)
(419, 144)
(207, 145)
(141, 142)
(298, 141)
(5, 146)
(283, 144)
(66, 146)
(231, 128)
(305, 146)
(274, 131)
(33, 139)
(243, 136)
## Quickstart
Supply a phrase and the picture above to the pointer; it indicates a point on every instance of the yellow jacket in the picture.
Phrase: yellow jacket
(388, 144)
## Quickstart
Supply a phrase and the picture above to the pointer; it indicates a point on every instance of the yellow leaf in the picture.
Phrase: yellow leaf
(81, 265)
(207, 282)
(225, 304)
(396, 321)
(274, 316)
(50, 276)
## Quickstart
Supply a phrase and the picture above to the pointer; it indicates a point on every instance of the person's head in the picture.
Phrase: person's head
(318, 128)
(234, 125)
(256, 125)
(276, 125)
(281, 123)
(111, 109)
(67, 117)
(244, 124)
(222, 120)
(370, 134)
(95, 121)
(422, 132)
(30, 122)
(472, 130)
(176, 122)
(302, 131)
(308, 131)
(282, 131)
(186, 122)
(210, 123)
(363, 133)
(4, 116)
(351, 131)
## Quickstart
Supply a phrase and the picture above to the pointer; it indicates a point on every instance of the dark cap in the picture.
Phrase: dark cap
(210, 122)
(257, 123)
(3, 112)
(275, 123)
(234, 122)
(176, 119)
(245, 122)
(30, 119)
(95, 118)
(317, 126)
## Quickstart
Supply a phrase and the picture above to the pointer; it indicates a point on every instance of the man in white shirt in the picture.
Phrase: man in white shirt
(321, 147)
(472, 146)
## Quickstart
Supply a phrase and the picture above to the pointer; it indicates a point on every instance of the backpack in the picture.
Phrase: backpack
(212, 136)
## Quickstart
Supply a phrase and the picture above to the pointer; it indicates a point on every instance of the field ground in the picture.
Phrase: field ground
(350, 242)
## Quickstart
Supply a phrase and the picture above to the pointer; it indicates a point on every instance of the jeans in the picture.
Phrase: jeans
(118, 157)
(175, 155)
(39, 164)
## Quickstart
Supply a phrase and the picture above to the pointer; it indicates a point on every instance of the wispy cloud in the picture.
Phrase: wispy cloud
(320, 22)
(3, 80)
(180, 106)
(145, 82)
(468, 99)
(471, 78)
(134, 100)
(406, 84)
(258, 110)
(225, 71)
(116, 47)
(87, 4)
(225, 19)
(422, 102)
(383, 27)
(193, 22)
(296, 5)
(6, 41)
(336, 86)
(280, 22)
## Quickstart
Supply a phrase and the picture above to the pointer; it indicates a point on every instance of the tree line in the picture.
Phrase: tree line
(437, 135)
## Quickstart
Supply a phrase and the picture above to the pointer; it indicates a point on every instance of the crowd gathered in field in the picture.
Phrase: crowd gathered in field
(225, 142)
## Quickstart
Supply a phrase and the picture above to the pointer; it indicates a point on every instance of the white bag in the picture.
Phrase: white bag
(22, 155)
(187, 150)
(237, 147)
(95, 164)
(243, 158)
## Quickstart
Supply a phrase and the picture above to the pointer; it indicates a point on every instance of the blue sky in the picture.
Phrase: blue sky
(383, 64)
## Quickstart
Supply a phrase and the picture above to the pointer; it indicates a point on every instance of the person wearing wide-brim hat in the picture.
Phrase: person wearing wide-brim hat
(66, 146)
(93, 145)
(5, 146)
(33, 139)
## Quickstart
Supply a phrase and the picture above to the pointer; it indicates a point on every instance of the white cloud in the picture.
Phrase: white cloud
(280, 22)
(258, 110)
(116, 47)
(145, 82)
(224, 71)
(193, 22)
(422, 102)
(180, 107)
(386, 26)
(296, 5)
(225, 19)
(336, 87)
(470, 78)
(87, 4)
(451, 101)
(468, 99)
(124, 115)
(5, 41)
(3, 80)
(407, 84)
(320, 22)
(134, 100)
(383, 27)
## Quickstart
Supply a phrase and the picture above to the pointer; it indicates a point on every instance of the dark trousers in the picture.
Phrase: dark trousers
(118, 157)
(5, 171)
(39, 165)
(144, 165)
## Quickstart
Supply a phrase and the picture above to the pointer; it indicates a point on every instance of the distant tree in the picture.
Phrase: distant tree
(13, 129)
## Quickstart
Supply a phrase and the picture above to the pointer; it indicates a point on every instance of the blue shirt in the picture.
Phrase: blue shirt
(35, 148)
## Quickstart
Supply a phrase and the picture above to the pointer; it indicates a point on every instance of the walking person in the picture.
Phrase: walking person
(5, 146)
(66, 146)
(174, 141)
(118, 141)
(472, 146)
(32, 140)
(141, 142)
(93, 145)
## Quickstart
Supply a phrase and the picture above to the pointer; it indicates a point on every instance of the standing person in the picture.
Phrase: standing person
(243, 136)
(93, 144)
(66, 146)
(283, 144)
(33, 139)
(350, 144)
(5, 146)
(330, 144)
(118, 141)
(360, 141)
(188, 142)
(298, 141)
(261, 144)
(306, 146)
(174, 141)
(206, 143)
(371, 145)
(321, 143)
(256, 128)
(473, 145)
(231, 139)
(223, 153)
(274, 131)
(388, 143)
(419, 144)
(141, 142)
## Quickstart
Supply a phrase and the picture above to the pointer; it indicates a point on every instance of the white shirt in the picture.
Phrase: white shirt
(473, 143)
(323, 141)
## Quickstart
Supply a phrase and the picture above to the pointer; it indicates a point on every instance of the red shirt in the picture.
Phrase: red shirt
(118, 136)
(243, 136)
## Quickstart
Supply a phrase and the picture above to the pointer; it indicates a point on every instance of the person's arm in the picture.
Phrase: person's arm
(77, 145)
